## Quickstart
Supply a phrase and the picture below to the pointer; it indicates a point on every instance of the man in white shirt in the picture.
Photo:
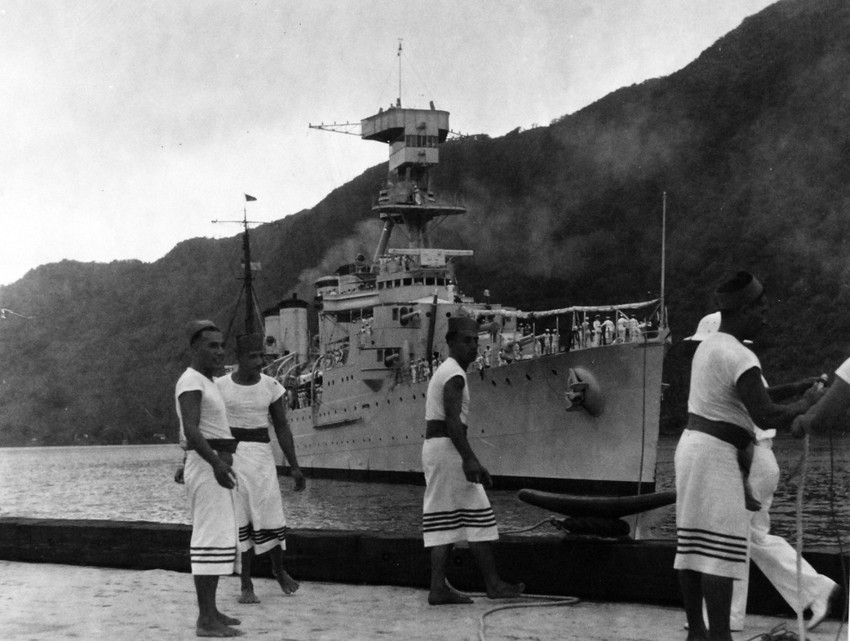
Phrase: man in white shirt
(456, 507)
(727, 398)
(251, 397)
(208, 475)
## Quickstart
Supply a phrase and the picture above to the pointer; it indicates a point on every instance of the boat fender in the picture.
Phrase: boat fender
(584, 392)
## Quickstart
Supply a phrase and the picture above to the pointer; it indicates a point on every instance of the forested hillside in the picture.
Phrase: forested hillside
(750, 142)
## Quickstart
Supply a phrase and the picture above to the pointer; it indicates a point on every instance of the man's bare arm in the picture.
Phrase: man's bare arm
(287, 443)
(190, 412)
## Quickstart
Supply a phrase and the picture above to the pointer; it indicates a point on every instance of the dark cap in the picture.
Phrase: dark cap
(249, 343)
(195, 327)
(738, 291)
(459, 323)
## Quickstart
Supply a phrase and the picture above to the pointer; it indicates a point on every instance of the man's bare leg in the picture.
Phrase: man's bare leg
(496, 588)
(287, 583)
(717, 591)
(690, 583)
(210, 623)
(441, 593)
(247, 595)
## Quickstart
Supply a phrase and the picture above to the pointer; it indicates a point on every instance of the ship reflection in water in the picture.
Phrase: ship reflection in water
(134, 482)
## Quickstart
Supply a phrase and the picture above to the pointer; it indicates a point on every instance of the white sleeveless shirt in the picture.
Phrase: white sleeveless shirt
(435, 409)
(718, 363)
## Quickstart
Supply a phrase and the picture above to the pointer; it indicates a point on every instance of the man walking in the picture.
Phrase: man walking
(456, 507)
(208, 475)
(250, 398)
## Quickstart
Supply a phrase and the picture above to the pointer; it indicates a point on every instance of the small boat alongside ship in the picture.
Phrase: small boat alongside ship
(557, 405)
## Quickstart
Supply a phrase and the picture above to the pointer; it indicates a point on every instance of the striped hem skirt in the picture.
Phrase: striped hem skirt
(454, 509)
(712, 523)
(213, 548)
(259, 506)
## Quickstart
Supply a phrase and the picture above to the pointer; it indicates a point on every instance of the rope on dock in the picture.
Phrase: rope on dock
(539, 601)
(545, 601)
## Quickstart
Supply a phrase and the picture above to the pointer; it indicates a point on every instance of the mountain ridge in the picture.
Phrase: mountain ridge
(748, 141)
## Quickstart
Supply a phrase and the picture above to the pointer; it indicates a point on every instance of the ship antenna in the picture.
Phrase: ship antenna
(663, 319)
(398, 100)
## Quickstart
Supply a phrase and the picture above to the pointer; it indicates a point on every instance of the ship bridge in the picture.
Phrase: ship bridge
(414, 136)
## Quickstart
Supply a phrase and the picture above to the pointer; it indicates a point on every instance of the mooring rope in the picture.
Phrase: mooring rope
(545, 601)
(551, 521)
(541, 601)
(804, 462)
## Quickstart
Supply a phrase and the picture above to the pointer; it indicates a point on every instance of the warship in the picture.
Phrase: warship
(563, 400)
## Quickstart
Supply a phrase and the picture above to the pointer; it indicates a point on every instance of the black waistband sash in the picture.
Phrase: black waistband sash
(727, 432)
(222, 444)
(251, 434)
(437, 428)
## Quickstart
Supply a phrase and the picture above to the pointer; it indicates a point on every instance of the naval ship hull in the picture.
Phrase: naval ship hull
(583, 420)
(521, 425)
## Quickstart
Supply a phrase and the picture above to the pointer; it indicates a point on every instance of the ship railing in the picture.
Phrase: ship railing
(280, 367)
(567, 329)
(509, 348)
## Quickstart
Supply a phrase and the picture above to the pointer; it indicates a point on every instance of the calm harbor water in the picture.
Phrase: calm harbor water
(135, 482)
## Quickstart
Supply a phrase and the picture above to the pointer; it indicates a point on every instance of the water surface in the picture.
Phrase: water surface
(135, 483)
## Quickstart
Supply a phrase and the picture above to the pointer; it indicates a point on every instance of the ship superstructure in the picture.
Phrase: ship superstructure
(557, 403)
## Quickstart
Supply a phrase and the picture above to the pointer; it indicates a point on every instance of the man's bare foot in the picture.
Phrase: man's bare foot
(248, 596)
(505, 590)
(215, 628)
(226, 620)
(287, 583)
(447, 596)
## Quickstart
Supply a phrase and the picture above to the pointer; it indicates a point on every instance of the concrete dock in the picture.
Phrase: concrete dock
(52, 602)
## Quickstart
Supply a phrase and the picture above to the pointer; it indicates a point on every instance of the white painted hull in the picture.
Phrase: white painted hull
(519, 424)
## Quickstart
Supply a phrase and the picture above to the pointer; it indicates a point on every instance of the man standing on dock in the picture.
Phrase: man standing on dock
(208, 475)
(250, 398)
(771, 553)
(456, 507)
(727, 398)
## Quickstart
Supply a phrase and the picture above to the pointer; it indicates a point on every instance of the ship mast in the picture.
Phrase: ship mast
(252, 325)
(413, 136)
(248, 278)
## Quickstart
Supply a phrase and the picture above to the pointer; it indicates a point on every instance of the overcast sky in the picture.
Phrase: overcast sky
(128, 125)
